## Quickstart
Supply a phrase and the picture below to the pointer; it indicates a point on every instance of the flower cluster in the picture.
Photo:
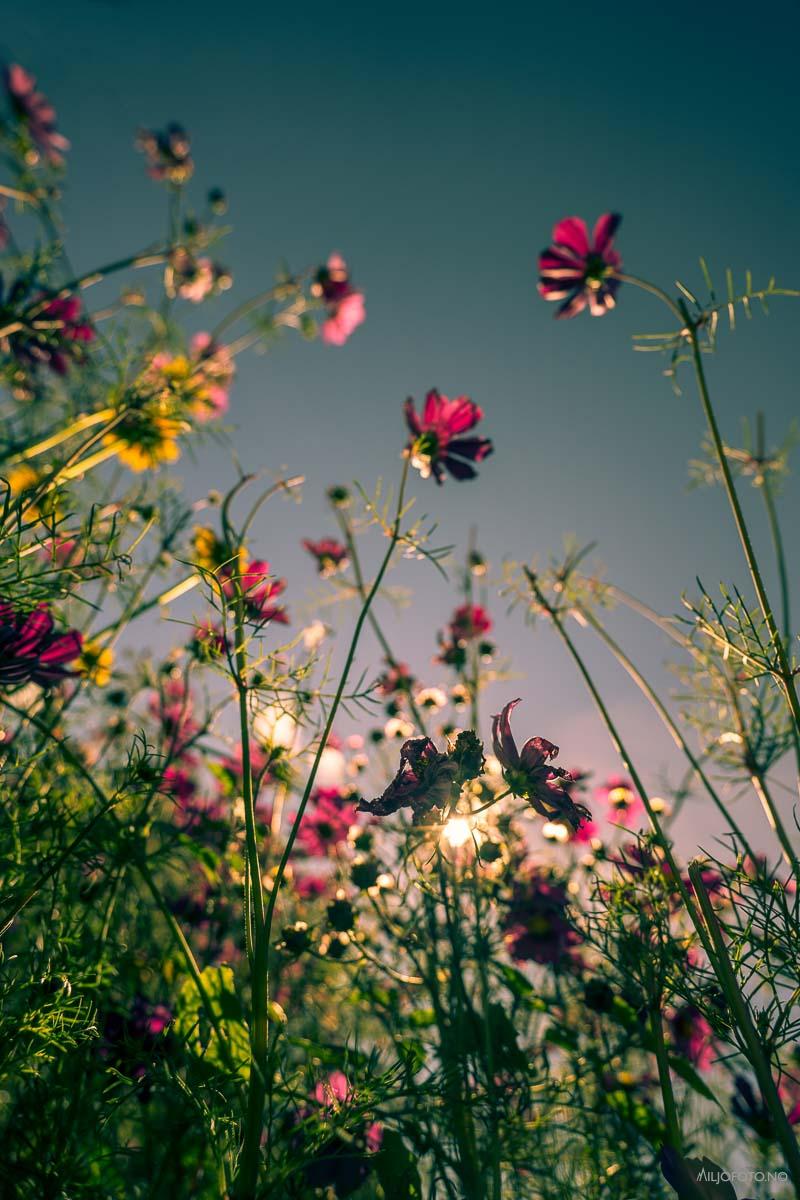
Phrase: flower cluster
(343, 302)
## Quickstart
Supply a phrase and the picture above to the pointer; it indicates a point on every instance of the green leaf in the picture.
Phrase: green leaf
(396, 1168)
(690, 1076)
(193, 1022)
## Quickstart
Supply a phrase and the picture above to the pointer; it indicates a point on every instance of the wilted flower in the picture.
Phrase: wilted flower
(30, 648)
(437, 445)
(37, 114)
(168, 153)
(345, 305)
(424, 781)
(580, 272)
(331, 556)
(529, 774)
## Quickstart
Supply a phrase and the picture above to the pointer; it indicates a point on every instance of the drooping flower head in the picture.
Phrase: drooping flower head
(438, 445)
(577, 271)
(31, 651)
(344, 303)
(37, 114)
(168, 153)
(331, 556)
(425, 779)
(529, 773)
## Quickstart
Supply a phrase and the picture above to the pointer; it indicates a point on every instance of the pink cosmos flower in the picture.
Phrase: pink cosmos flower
(437, 444)
(331, 555)
(578, 271)
(173, 708)
(344, 304)
(168, 153)
(469, 622)
(36, 111)
(325, 824)
(692, 1036)
(529, 773)
(30, 648)
(260, 592)
(625, 806)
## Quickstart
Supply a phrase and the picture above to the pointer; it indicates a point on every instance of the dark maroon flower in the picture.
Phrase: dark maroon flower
(331, 555)
(38, 114)
(168, 153)
(537, 924)
(579, 272)
(396, 679)
(424, 781)
(31, 650)
(437, 445)
(529, 774)
(344, 303)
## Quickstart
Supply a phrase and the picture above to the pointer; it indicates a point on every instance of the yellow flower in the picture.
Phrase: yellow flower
(95, 663)
(148, 442)
(210, 553)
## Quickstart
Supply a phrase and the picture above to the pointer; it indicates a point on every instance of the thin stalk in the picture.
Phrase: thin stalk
(780, 558)
(756, 1052)
(647, 690)
(77, 426)
(674, 1136)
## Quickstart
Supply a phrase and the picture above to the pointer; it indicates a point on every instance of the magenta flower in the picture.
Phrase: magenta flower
(343, 302)
(537, 926)
(53, 336)
(168, 153)
(529, 774)
(326, 823)
(260, 592)
(579, 272)
(331, 555)
(37, 113)
(31, 650)
(342, 1162)
(470, 621)
(692, 1036)
(437, 443)
(625, 806)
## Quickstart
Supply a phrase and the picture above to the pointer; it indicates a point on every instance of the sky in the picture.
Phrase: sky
(435, 145)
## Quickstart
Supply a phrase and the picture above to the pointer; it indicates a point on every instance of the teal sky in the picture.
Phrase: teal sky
(435, 146)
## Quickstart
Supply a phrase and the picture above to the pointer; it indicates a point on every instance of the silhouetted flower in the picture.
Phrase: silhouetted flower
(424, 781)
(37, 113)
(529, 774)
(168, 153)
(31, 651)
(579, 272)
(437, 445)
(344, 303)
(331, 555)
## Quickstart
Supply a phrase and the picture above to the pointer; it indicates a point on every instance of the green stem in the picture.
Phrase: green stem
(756, 1052)
(674, 1137)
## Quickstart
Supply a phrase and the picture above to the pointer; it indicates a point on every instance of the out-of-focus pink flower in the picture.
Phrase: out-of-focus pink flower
(692, 1036)
(331, 556)
(344, 304)
(536, 923)
(260, 590)
(201, 379)
(578, 271)
(173, 708)
(469, 622)
(625, 806)
(31, 651)
(325, 824)
(37, 113)
(208, 641)
(194, 279)
(55, 335)
(396, 679)
(168, 153)
(310, 886)
(529, 773)
(437, 444)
